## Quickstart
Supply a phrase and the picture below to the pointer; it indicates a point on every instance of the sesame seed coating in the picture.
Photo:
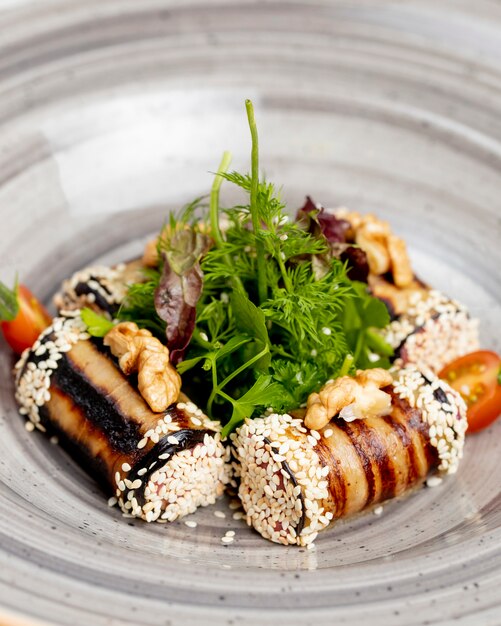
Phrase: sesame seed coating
(432, 332)
(272, 500)
(106, 283)
(446, 420)
(188, 480)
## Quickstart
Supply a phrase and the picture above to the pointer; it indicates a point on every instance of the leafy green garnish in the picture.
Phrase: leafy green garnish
(269, 329)
(97, 325)
(361, 316)
(262, 393)
(9, 304)
(499, 377)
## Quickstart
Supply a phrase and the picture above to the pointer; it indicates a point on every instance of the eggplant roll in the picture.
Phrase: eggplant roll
(293, 482)
(99, 287)
(432, 331)
(160, 466)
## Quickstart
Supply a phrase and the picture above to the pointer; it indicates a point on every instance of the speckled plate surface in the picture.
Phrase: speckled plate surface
(112, 112)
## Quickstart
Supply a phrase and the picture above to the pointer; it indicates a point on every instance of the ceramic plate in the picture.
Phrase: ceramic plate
(112, 112)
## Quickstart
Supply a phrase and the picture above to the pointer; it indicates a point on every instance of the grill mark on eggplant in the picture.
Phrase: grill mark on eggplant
(285, 466)
(379, 451)
(122, 434)
(187, 439)
(400, 429)
(416, 423)
(335, 477)
(403, 430)
(351, 429)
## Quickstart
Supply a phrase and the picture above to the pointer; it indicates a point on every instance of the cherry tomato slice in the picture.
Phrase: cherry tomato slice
(476, 377)
(31, 319)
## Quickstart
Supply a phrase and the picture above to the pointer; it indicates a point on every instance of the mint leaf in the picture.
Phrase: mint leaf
(9, 305)
(97, 325)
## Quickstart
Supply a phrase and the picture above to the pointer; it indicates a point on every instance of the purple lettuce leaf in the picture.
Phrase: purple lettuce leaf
(180, 288)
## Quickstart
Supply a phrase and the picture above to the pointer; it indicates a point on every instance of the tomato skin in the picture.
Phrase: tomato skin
(31, 319)
(482, 415)
(478, 373)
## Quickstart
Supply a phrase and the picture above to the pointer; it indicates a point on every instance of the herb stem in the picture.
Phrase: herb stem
(345, 367)
(261, 261)
(283, 271)
(218, 390)
(214, 213)
(214, 198)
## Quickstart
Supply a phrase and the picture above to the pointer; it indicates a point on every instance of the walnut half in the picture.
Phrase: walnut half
(138, 351)
(350, 397)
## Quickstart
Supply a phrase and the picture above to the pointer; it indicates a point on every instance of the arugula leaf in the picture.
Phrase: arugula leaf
(9, 304)
(97, 325)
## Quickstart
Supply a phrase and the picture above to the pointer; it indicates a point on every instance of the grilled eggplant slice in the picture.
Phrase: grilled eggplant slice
(293, 482)
(159, 466)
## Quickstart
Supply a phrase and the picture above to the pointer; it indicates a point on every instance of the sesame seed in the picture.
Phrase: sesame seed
(172, 440)
(226, 539)
(378, 510)
(126, 467)
(219, 514)
(433, 481)
(191, 523)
